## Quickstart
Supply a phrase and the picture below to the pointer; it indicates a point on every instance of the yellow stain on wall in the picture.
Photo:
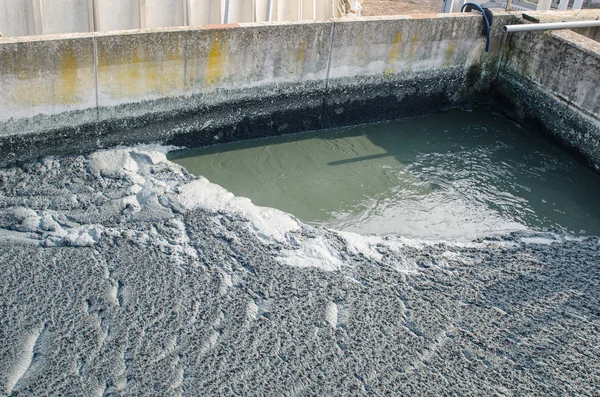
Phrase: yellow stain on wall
(300, 58)
(215, 65)
(302, 54)
(123, 73)
(193, 59)
(64, 84)
(393, 55)
(67, 82)
(449, 53)
(414, 43)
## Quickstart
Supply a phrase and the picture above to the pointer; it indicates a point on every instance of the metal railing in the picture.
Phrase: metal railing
(34, 17)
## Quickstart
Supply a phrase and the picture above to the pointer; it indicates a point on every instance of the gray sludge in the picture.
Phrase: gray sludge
(110, 289)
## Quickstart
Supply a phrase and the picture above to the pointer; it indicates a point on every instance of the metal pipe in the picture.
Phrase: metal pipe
(38, 17)
(269, 10)
(226, 12)
(551, 26)
(187, 9)
(142, 14)
(92, 15)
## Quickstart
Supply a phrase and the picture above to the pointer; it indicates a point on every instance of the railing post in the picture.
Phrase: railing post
(447, 6)
(38, 16)
(577, 4)
(186, 12)
(544, 5)
(226, 11)
(270, 10)
(93, 16)
(143, 14)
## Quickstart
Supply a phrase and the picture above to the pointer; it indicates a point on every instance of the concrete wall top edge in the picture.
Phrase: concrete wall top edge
(418, 16)
(47, 37)
(67, 36)
(563, 64)
(561, 16)
(580, 41)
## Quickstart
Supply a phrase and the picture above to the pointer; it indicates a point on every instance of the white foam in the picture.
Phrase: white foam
(313, 252)
(268, 223)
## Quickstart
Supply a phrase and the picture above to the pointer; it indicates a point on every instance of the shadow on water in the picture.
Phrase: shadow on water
(451, 175)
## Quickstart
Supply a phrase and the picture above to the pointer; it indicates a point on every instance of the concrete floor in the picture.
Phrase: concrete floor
(124, 275)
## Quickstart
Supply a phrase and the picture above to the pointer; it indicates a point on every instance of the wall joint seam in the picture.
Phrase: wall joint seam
(330, 55)
(95, 46)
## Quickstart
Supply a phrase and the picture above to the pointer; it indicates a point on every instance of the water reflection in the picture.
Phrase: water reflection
(455, 175)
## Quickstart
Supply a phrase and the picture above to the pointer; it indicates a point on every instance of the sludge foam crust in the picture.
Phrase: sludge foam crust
(124, 274)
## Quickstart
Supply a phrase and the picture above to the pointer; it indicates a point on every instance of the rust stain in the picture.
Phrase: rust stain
(393, 55)
(216, 61)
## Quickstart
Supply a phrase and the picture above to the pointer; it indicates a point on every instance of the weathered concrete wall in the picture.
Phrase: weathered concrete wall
(402, 66)
(592, 33)
(51, 76)
(197, 85)
(551, 81)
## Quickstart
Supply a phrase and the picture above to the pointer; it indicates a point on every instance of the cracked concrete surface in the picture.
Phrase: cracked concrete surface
(124, 275)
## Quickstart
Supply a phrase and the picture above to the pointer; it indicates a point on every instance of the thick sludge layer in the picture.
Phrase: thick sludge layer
(123, 274)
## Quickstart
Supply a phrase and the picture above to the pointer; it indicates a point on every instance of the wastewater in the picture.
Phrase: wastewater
(456, 175)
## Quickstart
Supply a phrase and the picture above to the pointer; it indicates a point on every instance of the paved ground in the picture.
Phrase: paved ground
(396, 7)
(124, 275)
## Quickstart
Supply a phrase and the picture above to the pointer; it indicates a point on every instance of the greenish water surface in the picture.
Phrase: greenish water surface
(456, 175)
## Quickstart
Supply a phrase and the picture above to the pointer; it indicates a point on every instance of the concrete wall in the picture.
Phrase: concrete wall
(592, 33)
(551, 81)
(48, 76)
(197, 85)
(419, 62)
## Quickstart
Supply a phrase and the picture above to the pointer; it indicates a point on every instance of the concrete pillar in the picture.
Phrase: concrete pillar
(163, 13)
(204, 12)
(16, 18)
(544, 5)
(117, 14)
(65, 16)
(447, 6)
